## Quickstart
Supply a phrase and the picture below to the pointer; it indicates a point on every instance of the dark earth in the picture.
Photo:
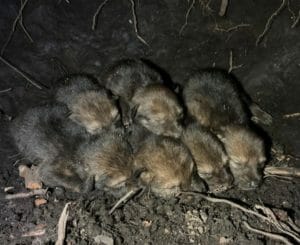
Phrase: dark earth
(64, 43)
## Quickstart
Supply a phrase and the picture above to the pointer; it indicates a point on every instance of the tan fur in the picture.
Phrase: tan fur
(94, 111)
(199, 110)
(209, 156)
(109, 159)
(166, 163)
(158, 110)
(247, 155)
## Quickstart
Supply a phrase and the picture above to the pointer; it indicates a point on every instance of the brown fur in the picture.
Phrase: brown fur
(209, 156)
(247, 155)
(94, 110)
(109, 159)
(158, 110)
(166, 164)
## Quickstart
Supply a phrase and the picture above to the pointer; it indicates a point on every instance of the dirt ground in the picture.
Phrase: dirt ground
(64, 43)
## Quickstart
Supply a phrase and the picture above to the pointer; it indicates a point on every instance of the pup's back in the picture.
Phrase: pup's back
(213, 99)
(35, 133)
(166, 165)
(126, 76)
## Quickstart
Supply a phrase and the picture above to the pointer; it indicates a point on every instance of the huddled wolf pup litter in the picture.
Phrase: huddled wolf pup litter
(79, 144)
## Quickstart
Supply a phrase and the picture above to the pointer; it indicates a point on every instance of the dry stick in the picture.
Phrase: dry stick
(135, 23)
(26, 194)
(95, 17)
(23, 27)
(14, 26)
(223, 7)
(269, 22)
(233, 28)
(231, 66)
(5, 90)
(282, 171)
(296, 20)
(187, 16)
(278, 224)
(297, 114)
(124, 199)
(268, 234)
(61, 226)
(20, 72)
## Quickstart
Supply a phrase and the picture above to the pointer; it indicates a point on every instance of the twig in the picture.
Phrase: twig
(26, 194)
(231, 66)
(296, 20)
(95, 17)
(135, 23)
(292, 115)
(187, 16)
(281, 226)
(14, 26)
(62, 224)
(233, 28)
(38, 231)
(23, 27)
(269, 22)
(223, 7)
(5, 90)
(282, 171)
(268, 234)
(124, 199)
(20, 72)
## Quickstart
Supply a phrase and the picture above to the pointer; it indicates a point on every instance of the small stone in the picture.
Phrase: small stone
(104, 238)
(203, 216)
(147, 223)
(39, 201)
(225, 240)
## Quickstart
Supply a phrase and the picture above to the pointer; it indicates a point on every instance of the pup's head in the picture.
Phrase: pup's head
(94, 110)
(158, 110)
(167, 166)
(210, 158)
(247, 156)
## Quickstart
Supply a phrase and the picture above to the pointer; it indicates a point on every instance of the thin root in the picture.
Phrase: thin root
(282, 171)
(230, 29)
(95, 17)
(270, 235)
(5, 90)
(26, 194)
(292, 115)
(296, 20)
(187, 16)
(269, 22)
(135, 23)
(14, 26)
(124, 199)
(20, 73)
(231, 66)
